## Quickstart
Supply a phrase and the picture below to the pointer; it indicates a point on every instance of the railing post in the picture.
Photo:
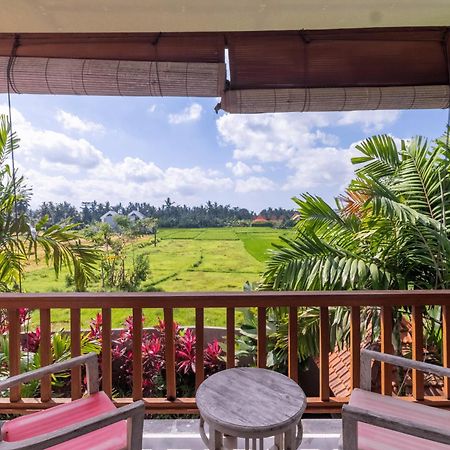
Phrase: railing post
(355, 345)
(417, 350)
(14, 351)
(446, 346)
(324, 353)
(75, 350)
(386, 347)
(262, 338)
(199, 345)
(293, 344)
(106, 352)
(137, 354)
(230, 338)
(170, 354)
(45, 350)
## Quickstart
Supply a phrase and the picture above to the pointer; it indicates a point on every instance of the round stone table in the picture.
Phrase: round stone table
(252, 404)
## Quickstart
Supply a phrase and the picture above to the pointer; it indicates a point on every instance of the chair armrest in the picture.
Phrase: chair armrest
(135, 412)
(368, 355)
(89, 360)
(405, 425)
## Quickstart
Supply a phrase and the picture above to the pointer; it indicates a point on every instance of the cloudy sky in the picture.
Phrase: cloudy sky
(146, 149)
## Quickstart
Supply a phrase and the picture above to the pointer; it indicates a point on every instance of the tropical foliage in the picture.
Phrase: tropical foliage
(390, 230)
(20, 241)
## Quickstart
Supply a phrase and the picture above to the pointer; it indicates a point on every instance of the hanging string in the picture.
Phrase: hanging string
(11, 141)
(14, 178)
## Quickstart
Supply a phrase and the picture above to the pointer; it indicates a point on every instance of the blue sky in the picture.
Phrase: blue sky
(146, 149)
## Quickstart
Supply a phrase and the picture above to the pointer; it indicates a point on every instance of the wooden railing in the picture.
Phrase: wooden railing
(386, 300)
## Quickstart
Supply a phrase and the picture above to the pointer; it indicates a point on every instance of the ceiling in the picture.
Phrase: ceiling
(54, 16)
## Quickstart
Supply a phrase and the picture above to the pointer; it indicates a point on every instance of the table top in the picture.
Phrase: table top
(248, 400)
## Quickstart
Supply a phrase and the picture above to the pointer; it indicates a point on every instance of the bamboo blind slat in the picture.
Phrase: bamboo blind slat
(355, 344)
(75, 350)
(230, 338)
(170, 354)
(106, 352)
(446, 346)
(335, 99)
(45, 350)
(199, 344)
(137, 353)
(262, 338)
(386, 347)
(293, 344)
(108, 77)
(324, 344)
(14, 351)
(417, 351)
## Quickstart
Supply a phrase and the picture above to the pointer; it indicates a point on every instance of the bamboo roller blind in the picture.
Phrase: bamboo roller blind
(108, 77)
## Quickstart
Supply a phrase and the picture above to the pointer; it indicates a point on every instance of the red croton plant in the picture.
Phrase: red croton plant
(153, 352)
(153, 360)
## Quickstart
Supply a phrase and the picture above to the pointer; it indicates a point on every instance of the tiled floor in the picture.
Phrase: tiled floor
(182, 434)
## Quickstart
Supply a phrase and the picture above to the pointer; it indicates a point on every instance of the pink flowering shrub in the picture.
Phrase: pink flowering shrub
(153, 358)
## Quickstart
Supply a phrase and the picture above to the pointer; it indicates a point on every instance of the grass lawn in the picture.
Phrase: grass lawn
(207, 259)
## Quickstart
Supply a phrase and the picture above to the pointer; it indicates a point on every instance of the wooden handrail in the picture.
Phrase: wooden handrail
(224, 299)
(325, 403)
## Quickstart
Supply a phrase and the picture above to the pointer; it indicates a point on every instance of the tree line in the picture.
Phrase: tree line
(169, 214)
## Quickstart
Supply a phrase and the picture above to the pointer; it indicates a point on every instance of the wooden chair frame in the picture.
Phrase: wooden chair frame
(351, 415)
(134, 413)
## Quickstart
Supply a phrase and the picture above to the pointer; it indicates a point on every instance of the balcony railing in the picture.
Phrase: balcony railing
(325, 403)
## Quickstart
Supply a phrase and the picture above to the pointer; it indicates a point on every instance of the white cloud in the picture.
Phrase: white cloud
(61, 168)
(71, 122)
(320, 170)
(190, 114)
(371, 121)
(272, 137)
(255, 184)
(151, 108)
(298, 145)
(241, 169)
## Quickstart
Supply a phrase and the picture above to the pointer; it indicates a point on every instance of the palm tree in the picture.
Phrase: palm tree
(389, 231)
(20, 241)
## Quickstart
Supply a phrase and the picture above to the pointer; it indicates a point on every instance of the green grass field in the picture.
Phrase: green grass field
(208, 259)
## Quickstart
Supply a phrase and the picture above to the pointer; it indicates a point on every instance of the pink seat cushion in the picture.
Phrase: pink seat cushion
(376, 438)
(112, 437)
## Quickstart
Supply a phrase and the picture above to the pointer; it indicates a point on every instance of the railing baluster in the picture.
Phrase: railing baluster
(75, 350)
(137, 353)
(386, 347)
(293, 344)
(199, 344)
(417, 350)
(14, 351)
(106, 352)
(231, 326)
(446, 346)
(355, 344)
(324, 354)
(262, 337)
(170, 354)
(45, 351)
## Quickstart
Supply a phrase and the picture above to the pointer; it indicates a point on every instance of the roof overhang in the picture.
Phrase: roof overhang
(104, 16)
(284, 55)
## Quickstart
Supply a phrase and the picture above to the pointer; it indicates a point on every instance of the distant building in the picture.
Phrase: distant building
(109, 218)
(136, 215)
(261, 221)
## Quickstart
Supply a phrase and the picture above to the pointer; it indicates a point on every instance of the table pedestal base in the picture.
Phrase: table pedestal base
(290, 439)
